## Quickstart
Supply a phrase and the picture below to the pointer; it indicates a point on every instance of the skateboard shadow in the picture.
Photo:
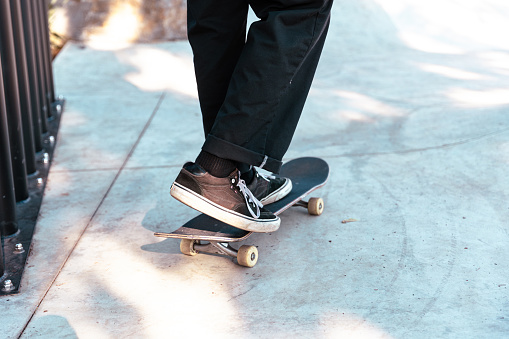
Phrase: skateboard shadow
(51, 326)
(166, 246)
(166, 216)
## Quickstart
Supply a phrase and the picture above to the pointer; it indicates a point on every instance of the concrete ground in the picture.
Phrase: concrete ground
(410, 109)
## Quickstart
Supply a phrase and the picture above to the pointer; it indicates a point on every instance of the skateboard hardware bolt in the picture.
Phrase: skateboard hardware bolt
(59, 108)
(39, 181)
(18, 249)
(45, 158)
(8, 286)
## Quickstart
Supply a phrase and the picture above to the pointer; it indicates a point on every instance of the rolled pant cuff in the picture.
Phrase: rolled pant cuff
(227, 150)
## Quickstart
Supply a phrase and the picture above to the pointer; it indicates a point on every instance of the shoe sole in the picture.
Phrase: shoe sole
(210, 208)
(278, 194)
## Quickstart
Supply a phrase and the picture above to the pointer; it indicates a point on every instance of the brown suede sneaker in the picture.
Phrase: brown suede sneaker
(269, 189)
(225, 199)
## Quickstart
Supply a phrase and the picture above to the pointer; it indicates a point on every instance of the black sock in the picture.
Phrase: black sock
(216, 166)
(247, 172)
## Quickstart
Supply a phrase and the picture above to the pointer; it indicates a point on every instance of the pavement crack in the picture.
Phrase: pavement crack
(92, 217)
(422, 149)
(241, 294)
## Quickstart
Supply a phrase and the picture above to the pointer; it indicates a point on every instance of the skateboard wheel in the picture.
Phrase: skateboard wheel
(187, 247)
(247, 255)
(315, 206)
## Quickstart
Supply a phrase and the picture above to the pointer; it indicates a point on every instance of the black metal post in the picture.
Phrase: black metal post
(26, 99)
(2, 262)
(41, 8)
(24, 89)
(48, 51)
(26, 12)
(41, 82)
(8, 224)
(10, 78)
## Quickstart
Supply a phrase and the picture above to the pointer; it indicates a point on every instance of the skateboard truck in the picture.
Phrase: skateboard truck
(314, 205)
(246, 255)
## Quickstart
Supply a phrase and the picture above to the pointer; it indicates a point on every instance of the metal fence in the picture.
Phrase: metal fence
(29, 115)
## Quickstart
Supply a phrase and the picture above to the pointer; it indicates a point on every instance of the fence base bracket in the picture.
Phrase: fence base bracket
(17, 247)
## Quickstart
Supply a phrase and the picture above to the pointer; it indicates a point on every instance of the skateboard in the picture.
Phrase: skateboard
(206, 234)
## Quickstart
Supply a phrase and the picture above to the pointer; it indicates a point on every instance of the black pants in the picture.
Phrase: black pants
(252, 90)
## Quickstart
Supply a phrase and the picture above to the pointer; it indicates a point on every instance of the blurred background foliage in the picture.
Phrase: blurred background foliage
(57, 41)
(116, 21)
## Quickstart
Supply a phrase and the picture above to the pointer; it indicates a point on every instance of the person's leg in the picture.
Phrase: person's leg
(270, 83)
(217, 34)
(293, 101)
(273, 189)
(278, 46)
(216, 31)
(212, 185)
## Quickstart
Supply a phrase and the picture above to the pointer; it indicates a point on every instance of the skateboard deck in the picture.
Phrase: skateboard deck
(307, 174)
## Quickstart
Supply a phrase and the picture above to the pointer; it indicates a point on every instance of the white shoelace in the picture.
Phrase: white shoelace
(250, 198)
(267, 177)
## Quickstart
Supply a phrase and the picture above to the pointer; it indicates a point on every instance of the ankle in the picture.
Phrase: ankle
(216, 166)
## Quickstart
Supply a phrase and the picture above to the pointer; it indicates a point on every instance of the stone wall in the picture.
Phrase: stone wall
(119, 20)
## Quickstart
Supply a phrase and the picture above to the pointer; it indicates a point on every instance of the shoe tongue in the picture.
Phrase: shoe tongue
(248, 176)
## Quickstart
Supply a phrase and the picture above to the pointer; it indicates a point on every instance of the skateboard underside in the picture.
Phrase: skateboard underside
(207, 228)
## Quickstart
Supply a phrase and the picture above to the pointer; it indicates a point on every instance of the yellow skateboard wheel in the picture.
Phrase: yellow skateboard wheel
(315, 206)
(187, 247)
(247, 255)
